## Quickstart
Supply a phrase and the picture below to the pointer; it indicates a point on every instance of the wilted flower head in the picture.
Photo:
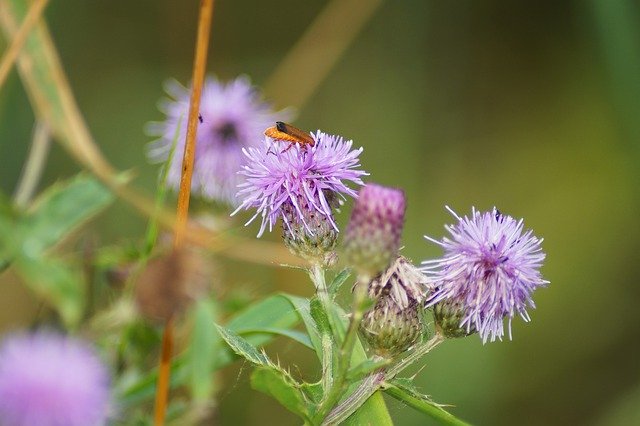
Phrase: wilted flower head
(394, 323)
(489, 271)
(170, 282)
(372, 238)
(51, 380)
(232, 116)
(280, 176)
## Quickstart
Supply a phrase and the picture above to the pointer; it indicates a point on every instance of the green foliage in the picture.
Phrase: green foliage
(204, 345)
(26, 237)
(404, 390)
(280, 386)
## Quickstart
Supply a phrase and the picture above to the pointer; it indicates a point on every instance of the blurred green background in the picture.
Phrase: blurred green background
(533, 107)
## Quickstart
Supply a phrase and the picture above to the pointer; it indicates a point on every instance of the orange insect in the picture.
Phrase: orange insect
(288, 133)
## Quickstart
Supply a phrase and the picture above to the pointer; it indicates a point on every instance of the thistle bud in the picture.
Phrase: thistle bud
(170, 282)
(395, 322)
(308, 233)
(372, 237)
(448, 315)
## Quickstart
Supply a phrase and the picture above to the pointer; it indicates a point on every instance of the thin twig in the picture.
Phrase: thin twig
(199, 69)
(35, 11)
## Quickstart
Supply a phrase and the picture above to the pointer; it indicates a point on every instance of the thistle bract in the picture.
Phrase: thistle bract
(395, 322)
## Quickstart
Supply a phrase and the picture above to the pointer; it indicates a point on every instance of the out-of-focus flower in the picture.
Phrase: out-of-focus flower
(372, 237)
(293, 182)
(232, 117)
(51, 380)
(395, 322)
(489, 272)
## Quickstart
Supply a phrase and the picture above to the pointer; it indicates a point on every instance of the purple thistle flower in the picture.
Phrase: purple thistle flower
(232, 116)
(310, 178)
(489, 271)
(51, 380)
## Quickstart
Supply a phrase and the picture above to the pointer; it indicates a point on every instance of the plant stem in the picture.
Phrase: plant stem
(416, 354)
(164, 372)
(346, 350)
(34, 165)
(367, 388)
(199, 69)
(10, 55)
(372, 383)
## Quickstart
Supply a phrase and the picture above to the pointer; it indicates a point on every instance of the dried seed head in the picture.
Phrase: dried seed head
(170, 282)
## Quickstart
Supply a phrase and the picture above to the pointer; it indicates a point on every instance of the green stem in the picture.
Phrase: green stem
(346, 351)
(367, 388)
(372, 383)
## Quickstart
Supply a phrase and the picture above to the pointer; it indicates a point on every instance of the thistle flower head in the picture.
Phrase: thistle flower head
(394, 324)
(372, 238)
(50, 380)
(489, 271)
(232, 116)
(280, 176)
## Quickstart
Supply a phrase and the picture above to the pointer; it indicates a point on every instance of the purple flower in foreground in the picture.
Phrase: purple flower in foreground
(489, 271)
(51, 380)
(232, 116)
(281, 177)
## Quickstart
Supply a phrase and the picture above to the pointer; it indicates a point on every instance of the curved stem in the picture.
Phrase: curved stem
(34, 165)
(10, 55)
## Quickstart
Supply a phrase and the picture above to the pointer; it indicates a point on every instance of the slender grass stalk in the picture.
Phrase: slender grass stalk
(34, 165)
(11, 54)
(188, 158)
(318, 50)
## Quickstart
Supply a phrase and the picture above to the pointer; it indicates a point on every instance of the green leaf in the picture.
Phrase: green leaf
(296, 335)
(320, 317)
(408, 394)
(313, 391)
(280, 386)
(57, 283)
(60, 210)
(242, 347)
(205, 342)
(366, 367)
(372, 412)
(274, 312)
(301, 307)
(339, 280)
